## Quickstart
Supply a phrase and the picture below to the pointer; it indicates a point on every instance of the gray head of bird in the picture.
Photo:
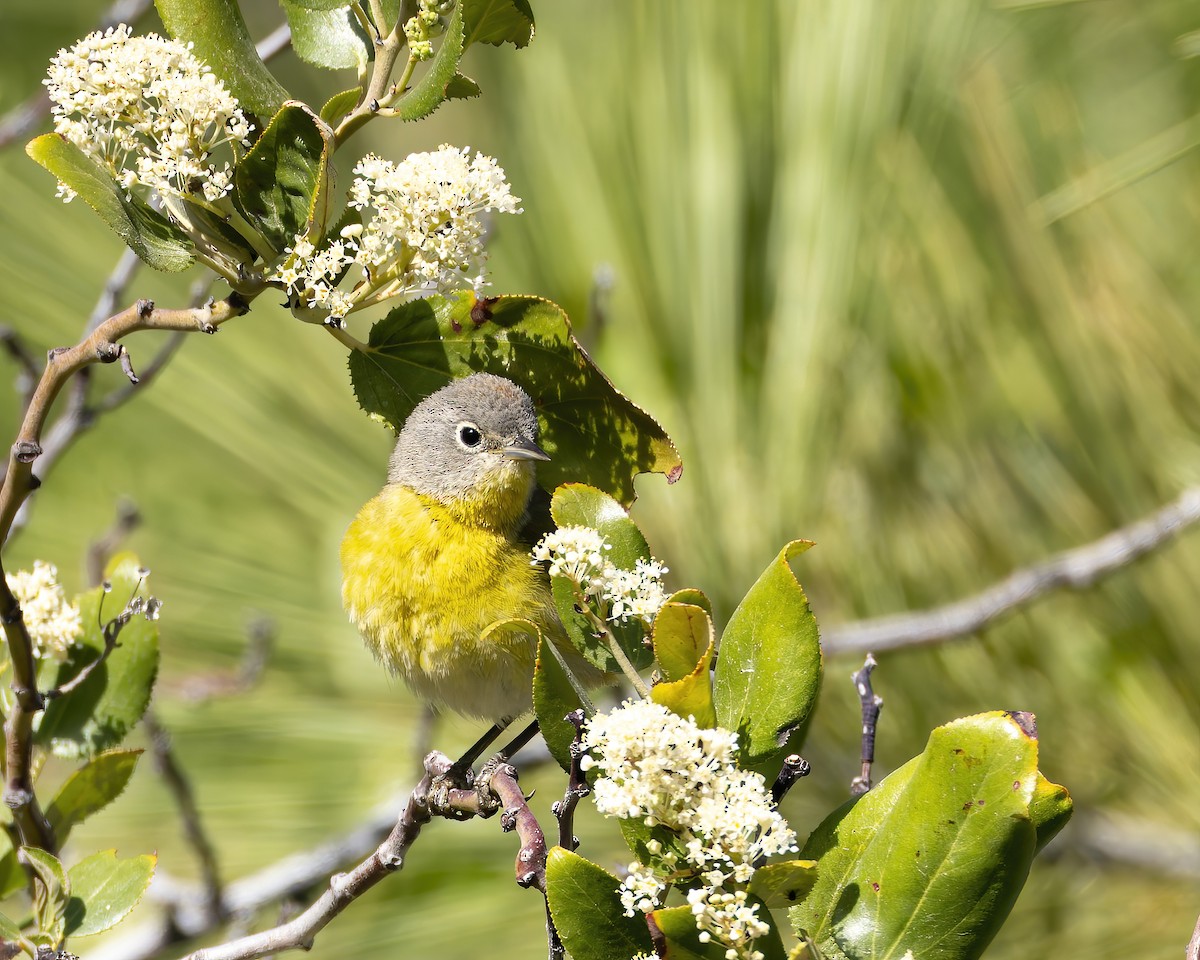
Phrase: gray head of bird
(476, 437)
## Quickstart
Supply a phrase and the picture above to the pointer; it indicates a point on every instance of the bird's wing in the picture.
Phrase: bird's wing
(539, 522)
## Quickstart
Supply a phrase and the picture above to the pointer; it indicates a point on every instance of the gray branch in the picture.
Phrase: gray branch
(1074, 569)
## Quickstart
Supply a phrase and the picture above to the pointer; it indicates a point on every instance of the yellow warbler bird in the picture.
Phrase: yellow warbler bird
(442, 553)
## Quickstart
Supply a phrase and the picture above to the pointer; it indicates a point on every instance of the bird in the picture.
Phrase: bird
(442, 553)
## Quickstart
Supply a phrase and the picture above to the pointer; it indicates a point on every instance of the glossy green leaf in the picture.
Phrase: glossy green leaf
(591, 431)
(577, 504)
(283, 182)
(322, 4)
(682, 634)
(586, 911)
(149, 234)
(498, 21)
(108, 704)
(553, 699)
(89, 789)
(1050, 810)
(931, 860)
(691, 695)
(104, 890)
(331, 38)
(769, 663)
(12, 876)
(683, 941)
(9, 931)
(219, 37)
(462, 87)
(432, 86)
(339, 105)
(783, 884)
(51, 893)
(693, 596)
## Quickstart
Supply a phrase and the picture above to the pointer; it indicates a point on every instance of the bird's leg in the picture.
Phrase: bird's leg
(462, 770)
(517, 742)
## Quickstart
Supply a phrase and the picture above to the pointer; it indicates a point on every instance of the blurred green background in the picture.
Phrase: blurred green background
(914, 280)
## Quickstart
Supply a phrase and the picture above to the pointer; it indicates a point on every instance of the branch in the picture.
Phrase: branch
(871, 704)
(27, 366)
(1075, 569)
(577, 786)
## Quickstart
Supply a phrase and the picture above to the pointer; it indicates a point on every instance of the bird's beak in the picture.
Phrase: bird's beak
(524, 449)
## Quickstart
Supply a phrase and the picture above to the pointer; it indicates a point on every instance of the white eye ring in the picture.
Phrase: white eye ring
(468, 435)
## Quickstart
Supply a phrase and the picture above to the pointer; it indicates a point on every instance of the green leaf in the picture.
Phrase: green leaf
(322, 4)
(769, 664)
(330, 37)
(691, 695)
(90, 788)
(932, 859)
(1050, 810)
(587, 912)
(682, 635)
(553, 699)
(693, 596)
(283, 182)
(576, 504)
(219, 37)
(683, 942)
(433, 87)
(108, 704)
(50, 898)
(462, 87)
(9, 931)
(340, 104)
(498, 21)
(149, 234)
(104, 890)
(12, 877)
(591, 431)
(783, 884)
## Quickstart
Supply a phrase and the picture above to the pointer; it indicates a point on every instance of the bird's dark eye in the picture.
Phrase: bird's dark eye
(468, 436)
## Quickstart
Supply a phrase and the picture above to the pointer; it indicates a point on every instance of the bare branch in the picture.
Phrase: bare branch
(794, 768)
(871, 704)
(193, 827)
(1074, 569)
(128, 519)
(501, 780)
(577, 786)
(27, 366)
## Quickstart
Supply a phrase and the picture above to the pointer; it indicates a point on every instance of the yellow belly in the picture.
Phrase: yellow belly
(422, 586)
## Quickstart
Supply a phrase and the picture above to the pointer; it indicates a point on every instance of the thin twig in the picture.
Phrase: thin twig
(501, 779)
(261, 634)
(871, 704)
(1074, 569)
(193, 826)
(794, 768)
(577, 786)
(127, 520)
(1193, 947)
(27, 374)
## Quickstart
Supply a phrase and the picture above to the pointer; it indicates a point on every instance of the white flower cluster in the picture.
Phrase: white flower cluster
(52, 622)
(422, 233)
(667, 772)
(147, 109)
(577, 553)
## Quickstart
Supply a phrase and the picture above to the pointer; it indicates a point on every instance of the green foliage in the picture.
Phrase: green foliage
(52, 890)
(340, 104)
(147, 232)
(498, 21)
(769, 669)
(433, 87)
(589, 918)
(283, 182)
(683, 941)
(219, 37)
(90, 789)
(104, 890)
(942, 844)
(591, 431)
(331, 38)
(784, 883)
(684, 644)
(553, 698)
(98, 714)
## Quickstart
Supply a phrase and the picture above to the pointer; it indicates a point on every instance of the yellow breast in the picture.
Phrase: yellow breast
(421, 583)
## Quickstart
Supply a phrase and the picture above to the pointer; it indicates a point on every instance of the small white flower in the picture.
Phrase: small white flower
(52, 622)
(576, 553)
(148, 110)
